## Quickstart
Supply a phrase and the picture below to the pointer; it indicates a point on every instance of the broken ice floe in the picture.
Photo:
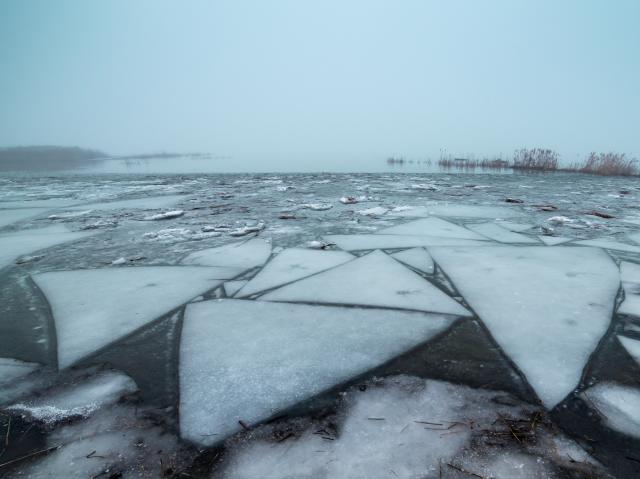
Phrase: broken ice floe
(632, 346)
(608, 244)
(432, 227)
(547, 307)
(371, 280)
(554, 240)
(245, 230)
(375, 211)
(167, 215)
(8, 217)
(150, 203)
(11, 369)
(630, 275)
(360, 242)
(241, 254)
(291, 265)
(92, 308)
(618, 405)
(460, 211)
(500, 234)
(232, 287)
(247, 360)
(417, 258)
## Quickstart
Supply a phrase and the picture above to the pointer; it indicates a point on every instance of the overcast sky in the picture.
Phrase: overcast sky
(305, 80)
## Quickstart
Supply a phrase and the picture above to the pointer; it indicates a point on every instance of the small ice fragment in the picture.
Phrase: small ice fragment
(245, 230)
(559, 220)
(376, 211)
(165, 216)
(119, 261)
(348, 200)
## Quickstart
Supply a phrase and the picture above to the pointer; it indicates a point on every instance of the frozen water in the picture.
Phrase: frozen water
(632, 346)
(618, 405)
(248, 360)
(232, 287)
(14, 245)
(417, 258)
(554, 240)
(460, 211)
(361, 242)
(11, 369)
(498, 233)
(371, 280)
(95, 307)
(78, 400)
(167, 215)
(630, 275)
(375, 211)
(546, 307)
(43, 204)
(608, 244)
(293, 264)
(517, 227)
(240, 254)
(635, 237)
(150, 203)
(432, 227)
(12, 216)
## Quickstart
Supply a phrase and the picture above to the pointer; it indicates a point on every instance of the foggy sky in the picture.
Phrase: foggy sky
(306, 80)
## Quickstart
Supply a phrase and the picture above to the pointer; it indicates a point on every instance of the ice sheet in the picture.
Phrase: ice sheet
(632, 346)
(14, 245)
(240, 254)
(12, 216)
(293, 264)
(432, 227)
(554, 240)
(371, 280)
(608, 244)
(618, 405)
(417, 258)
(546, 307)
(517, 227)
(630, 275)
(460, 211)
(11, 369)
(361, 242)
(95, 307)
(150, 203)
(498, 233)
(248, 360)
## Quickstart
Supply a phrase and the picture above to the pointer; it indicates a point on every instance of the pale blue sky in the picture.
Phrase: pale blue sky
(328, 79)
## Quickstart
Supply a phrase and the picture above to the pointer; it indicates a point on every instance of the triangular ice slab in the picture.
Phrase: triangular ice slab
(417, 258)
(361, 242)
(232, 287)
(248, 360)
(241, 254)
(632, 346)
(432, 227)
(546, 307)
(12, 369)
(554, 240)
(498, 233)
(95, 307)
(291, 265)
(460, 211)
(371, 280)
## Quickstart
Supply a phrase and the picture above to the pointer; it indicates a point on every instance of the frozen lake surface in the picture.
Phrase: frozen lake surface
(319, 326)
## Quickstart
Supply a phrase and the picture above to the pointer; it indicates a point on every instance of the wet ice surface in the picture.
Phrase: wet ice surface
(121, 354)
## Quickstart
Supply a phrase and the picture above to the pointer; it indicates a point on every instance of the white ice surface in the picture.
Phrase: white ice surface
(44, 204)
(360, 242)
(371, 280)
(498, 233)
(635, 237)
(79, 400)
(14, 245)
(417, 258)
(240, 254)
(546, 307)
(95, 307)
(517, 227)
(432, 227)
(630, 274)
(11, 369)
(608, 244)
(554, 240)
(150, 203)
(619, 406)
(460, 211)
(232, 287)
(247, 360)
(8, 217)
(293, 264)
(632, 346)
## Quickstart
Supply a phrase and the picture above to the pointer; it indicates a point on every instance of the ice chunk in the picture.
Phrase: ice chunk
(232, 287)
(375, 211)
(432, 227)
(43, 204)
(546, 307)
(632, 346)
(248, 360)
(554, 240)
(241, 254)
(150, 203)
(12, 216)
(387, 241)
(13, 245)
(11, 369)
(608, 244)
(79, 400)
(498, 233)
(167, 215)
(95, 307)
(618, 405)
(371, 280)
(417, 258)
(460, 211)
(291, 265)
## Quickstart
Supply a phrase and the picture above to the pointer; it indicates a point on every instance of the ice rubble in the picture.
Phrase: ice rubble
(375, 211)
(150, 203)
(608, 244)
(11, 369)
(618, 405)
(14, 245)
(359, 242)
(232, 287)
(498, 233)
(554, 240)
(432, 227)
(246, 360)
(460, 211)
(293, 264)
(93, 308)
(546, 307)
(240, 254)
(79, 400)
(630, 275)
(407, 428)
(371, 280)
(632, 346)
(8, 217)
(417, 258)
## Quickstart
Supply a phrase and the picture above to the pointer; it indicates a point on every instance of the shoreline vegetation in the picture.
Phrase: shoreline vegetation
(537, 159)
